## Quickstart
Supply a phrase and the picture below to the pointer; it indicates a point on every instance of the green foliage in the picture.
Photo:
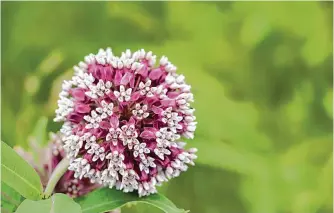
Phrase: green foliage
(106, 199)
(40, 131)
(261, 74)
(10, 199)
(19, 175)
(58, 203)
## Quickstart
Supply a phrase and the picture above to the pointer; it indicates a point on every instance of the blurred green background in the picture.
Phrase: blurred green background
(261, 74)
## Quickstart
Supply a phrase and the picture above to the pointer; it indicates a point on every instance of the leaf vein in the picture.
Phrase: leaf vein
(23, 179)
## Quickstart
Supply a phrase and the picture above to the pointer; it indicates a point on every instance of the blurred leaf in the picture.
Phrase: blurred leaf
(222, 155)
(203, 184)
(317, 48)
(296, 111)
(328, 102)
(26, 116)
(324, 194)
(19, 175)
(32, 84)
(135, 14)
(106, 199)
(58, 203)
(254, 29)
(8, 128)
(261, 192)
(10, 199)
(300, 172)
(50, 63)
(37, 140)
(39, 135)
(311, 201)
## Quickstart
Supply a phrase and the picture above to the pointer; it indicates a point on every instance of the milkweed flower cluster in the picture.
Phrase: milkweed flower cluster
(124, 118)
(48, 158)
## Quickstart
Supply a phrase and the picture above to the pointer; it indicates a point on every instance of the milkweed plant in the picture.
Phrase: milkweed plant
(124, 121)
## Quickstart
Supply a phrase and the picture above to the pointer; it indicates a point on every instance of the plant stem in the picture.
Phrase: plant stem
(59, 171)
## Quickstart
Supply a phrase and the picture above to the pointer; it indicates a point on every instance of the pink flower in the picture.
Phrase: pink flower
(124, 119)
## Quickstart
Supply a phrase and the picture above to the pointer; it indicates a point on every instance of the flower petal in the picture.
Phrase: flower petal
(128, 91)
(168, 102)
(135, 96)
(126, 78)
(132, 121)
(117, 94)
(157, 110)
(146, 134)
(114, 122)
(107, 73)
(82, 108)
(104, 125)
(155, 74)
(118, 78)
(78, 94)
(143, 72)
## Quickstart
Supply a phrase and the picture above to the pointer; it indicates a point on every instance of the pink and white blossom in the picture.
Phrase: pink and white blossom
(124, 118)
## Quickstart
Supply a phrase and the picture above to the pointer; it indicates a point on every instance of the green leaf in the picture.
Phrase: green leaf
(58, 203)
(10, 199)
(40, 131)
(106, 199)
(19, 175)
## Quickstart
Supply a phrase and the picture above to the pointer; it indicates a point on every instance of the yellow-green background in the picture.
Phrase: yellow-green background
(261, 74)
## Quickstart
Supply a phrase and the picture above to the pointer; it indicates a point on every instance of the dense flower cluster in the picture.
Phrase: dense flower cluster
(124, 118)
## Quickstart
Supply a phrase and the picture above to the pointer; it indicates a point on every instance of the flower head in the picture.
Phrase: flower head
(124, 118)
